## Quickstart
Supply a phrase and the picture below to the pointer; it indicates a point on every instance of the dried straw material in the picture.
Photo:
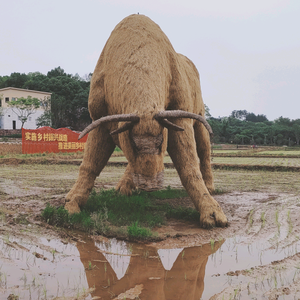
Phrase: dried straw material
(149, 184)
(140, 75)
(148, 144)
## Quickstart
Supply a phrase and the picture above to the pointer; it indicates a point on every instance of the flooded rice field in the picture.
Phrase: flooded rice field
(256, 257)
(100, 268)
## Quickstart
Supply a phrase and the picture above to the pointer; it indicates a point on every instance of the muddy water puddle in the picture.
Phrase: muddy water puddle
(235, 265)
(33, 272)
(113, 269)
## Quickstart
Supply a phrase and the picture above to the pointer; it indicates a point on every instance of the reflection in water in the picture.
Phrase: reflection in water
(118, 270)
(117, 253)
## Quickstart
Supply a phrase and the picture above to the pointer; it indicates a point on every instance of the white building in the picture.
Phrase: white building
(8, 118)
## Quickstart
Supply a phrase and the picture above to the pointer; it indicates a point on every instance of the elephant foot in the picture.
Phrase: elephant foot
(78, 195)
(124, 189)
(125, 186)
(211, 214)
(72, 207)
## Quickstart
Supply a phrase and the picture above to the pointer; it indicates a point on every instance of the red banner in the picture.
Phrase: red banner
(47, 139)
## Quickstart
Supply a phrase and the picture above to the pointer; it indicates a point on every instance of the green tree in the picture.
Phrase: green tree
(256, 118)
(45, 118)
(24, 107)
(57, 72)
(69, 100)
(296, 131)
(239, 114)
(16, 80)
(207, 112)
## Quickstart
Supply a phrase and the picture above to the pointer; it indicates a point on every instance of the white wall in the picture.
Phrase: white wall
(6, 121)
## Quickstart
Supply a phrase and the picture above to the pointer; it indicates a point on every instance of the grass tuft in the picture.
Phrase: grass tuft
(137, 231)
(55, 216)
(169, 193)
(182, 213)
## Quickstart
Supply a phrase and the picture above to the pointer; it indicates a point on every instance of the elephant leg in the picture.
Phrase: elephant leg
(126, 185)
(203, 150)
(182, 150)
(98, 150)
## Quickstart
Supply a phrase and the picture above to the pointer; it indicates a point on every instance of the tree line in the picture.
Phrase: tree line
(246, 128)
(69, 108)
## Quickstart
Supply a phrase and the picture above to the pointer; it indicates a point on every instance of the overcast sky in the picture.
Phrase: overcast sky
(246, 51)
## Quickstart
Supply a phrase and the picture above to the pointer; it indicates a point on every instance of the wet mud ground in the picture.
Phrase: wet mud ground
(256, 257)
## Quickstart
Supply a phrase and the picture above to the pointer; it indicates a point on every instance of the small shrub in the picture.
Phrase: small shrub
(55, 216)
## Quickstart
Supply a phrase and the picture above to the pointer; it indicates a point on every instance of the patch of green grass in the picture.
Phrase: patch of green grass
(60, 217)
(139, 212)
(182, 213)
(55, 216)
(263, 219)
(16, 135)
(123, 210)
(219, 191)
(136, 231)
(169, 193)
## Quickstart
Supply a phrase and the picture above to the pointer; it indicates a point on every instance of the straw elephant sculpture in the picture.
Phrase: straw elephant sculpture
(146, 99)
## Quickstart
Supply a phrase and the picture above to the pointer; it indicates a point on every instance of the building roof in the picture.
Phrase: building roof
(25, 90)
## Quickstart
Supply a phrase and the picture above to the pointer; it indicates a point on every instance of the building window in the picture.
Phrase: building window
(13, 99)
(14, 124)
(6, 99)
